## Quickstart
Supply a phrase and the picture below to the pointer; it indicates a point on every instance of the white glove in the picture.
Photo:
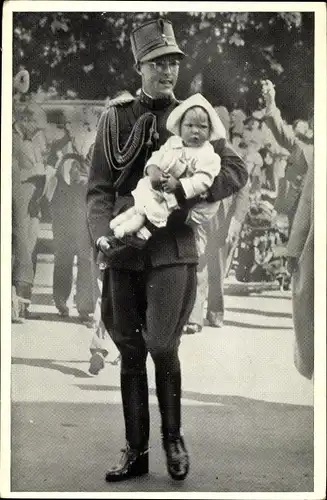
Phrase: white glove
(103, 243)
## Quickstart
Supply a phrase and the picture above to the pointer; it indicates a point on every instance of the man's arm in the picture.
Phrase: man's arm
(283, 134)
(233, 174)
(232, 177)
(203, 177)
(242, 203)
(303, 217)
(100, 191)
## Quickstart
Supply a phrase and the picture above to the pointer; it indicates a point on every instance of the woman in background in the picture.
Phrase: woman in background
(301, 241)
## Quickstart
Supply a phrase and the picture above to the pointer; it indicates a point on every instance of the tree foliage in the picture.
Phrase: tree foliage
(87, 55)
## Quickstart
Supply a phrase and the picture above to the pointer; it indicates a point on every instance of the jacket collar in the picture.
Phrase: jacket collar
(156, 104)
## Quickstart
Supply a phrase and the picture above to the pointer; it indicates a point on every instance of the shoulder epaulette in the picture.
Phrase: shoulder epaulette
(120, 100)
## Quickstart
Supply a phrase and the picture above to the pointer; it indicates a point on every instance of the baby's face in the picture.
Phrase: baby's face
(195, 127)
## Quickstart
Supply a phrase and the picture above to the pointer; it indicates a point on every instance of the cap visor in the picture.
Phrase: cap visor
(162, 51)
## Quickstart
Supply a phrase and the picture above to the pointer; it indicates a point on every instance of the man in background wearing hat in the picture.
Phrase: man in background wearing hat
(28, 182)
(148, 293)
(66, 190)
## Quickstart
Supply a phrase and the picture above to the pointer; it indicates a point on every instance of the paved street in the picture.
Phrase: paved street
(247, 413)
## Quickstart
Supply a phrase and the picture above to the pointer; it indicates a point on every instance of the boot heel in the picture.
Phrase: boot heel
(141, 465)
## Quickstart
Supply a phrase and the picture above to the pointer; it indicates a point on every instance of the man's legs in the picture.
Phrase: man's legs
(167, 295)
(22, 272)
(33, 235)
(216, 275)
(34, 260)
(170, 298)
(123, 306)
(64, 251)
(86, 286)
(195, 321)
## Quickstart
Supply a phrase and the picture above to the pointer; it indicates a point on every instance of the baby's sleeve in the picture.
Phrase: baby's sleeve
(206, 170)
(155, 159)
(159, 158)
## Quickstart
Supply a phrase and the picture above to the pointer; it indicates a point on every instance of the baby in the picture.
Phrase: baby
(186, 161)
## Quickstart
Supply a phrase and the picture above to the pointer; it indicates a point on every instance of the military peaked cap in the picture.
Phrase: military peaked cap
(154, 39)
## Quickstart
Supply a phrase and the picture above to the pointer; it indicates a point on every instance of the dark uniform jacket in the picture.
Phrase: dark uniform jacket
(110, 185)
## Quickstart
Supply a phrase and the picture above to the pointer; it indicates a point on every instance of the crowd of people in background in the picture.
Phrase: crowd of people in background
(51, 180)
(52, 150)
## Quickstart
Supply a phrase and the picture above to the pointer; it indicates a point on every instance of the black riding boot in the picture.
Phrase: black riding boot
(169, 398)
(135, 458)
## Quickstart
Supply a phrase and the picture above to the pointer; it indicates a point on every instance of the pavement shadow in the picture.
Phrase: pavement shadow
(50, 364)
(54, 317)
(223, 399)
(279, 297)
(242, 324)
(269, 314)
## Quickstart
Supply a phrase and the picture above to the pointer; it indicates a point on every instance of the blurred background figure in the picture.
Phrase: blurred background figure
(268, 177)
(223, 233)
(101, 344)
(66, 190)
(253, 161)
(300, 246)
(301, 129)
(237, 118)
(28, 184)
(223, 114)
(21, 84)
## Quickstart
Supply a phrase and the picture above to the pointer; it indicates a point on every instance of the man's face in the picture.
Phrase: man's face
(253, 124)
(301, 128)
(50, 132)
(159, 76)
(268, 159)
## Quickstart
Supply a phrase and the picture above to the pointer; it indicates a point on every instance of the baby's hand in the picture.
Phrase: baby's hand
(178, 168)
(170, 184)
